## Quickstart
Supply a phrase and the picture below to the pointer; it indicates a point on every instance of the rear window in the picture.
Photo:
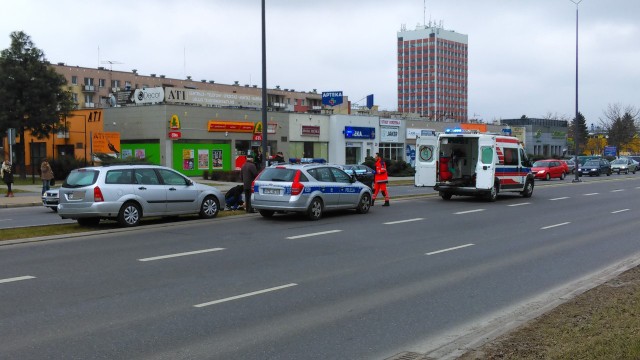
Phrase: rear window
(279, 174)
(81, 177)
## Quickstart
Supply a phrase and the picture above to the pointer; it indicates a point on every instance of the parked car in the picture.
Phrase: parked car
(623, 165)
(311, 189)
(363, 173)
(548, 169)
(595, 167)
(127, 193)
(570, 165)
(50, 199)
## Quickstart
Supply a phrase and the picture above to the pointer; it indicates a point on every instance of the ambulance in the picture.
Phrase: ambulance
(466, 162)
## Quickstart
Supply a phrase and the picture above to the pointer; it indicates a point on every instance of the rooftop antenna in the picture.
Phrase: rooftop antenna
(110, 62)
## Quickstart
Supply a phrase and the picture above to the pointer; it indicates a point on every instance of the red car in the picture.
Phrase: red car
(548, 169)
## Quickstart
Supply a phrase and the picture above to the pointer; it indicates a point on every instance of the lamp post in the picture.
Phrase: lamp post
(575, 121)
(265, 155)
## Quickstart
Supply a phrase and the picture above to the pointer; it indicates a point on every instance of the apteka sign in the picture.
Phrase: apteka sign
(332, 98)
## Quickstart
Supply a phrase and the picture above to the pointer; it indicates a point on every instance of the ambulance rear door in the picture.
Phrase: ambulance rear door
(426, 160)
(486, 165)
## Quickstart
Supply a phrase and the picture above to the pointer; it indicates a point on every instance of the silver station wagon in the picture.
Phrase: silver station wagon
(311, 189)
(126, 193)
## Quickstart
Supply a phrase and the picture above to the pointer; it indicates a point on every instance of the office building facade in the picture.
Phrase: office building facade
(433, 73)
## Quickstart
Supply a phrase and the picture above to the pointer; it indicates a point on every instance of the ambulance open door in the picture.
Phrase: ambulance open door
(426, 160)
(486, 165)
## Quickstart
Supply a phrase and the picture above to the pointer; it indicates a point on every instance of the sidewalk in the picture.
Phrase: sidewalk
(30, 194)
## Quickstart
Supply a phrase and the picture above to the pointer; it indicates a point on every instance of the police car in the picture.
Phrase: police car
(310, 189)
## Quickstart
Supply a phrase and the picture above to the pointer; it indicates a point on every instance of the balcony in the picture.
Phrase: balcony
(89, 88)
(89, 105)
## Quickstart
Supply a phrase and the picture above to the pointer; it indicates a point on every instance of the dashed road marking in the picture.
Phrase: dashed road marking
(520, 204)
(560, 198)
(180, 254)
(449, 249)
(245, 295)
(402, 221)
(619, 211)
(468, 211)
(313, 234)
(556, 225)
(19, 278)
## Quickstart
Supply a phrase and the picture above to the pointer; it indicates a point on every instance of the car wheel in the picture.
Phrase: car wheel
(493, 194)
(129, 214)
(445, 195)
(88, 221)
(266, 213)
(365, 204)
(528, 189)
(548, 177)
(209, 208)
(562, 176)
(314, 212)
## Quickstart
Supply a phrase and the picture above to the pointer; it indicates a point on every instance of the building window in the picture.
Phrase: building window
(88, 81)
(101, 82)
(74, 97)
(88, 98)
(392, 151)
(74, 80)
(115, 83)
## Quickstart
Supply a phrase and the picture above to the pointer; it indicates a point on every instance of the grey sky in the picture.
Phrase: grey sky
(521, 53)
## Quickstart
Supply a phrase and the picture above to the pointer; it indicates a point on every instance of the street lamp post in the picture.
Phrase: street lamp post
(265, 155)
(575, 121)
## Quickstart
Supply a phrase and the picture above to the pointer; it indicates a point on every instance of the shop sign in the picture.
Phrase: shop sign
(257, 137)
(271, 128)
(174, 123)
(174, 95)
(230, 126)
(389, 134)
(354, 132)
(105, 142)
(310, 130)
(332, 98)
(174, 135)
(390, 122)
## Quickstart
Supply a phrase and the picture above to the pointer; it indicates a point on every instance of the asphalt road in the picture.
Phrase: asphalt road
(410, 277)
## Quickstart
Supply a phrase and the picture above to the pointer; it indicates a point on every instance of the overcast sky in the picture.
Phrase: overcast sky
(521, 52)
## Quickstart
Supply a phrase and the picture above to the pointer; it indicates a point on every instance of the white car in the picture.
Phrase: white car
(50, 199)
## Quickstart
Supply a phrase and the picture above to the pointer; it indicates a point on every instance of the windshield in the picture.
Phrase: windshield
(592, 163)
(619, 161)
(81, 177)
(541, 164)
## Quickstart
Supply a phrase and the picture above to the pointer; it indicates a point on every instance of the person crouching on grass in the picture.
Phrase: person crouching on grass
(380, 181)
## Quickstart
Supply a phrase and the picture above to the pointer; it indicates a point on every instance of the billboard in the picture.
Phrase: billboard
(106, 143)
(174, 95)
(332, 98)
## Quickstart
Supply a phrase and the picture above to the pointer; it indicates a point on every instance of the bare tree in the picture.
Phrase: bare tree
(620, 124)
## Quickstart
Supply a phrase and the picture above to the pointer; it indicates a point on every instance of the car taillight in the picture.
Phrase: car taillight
(297, 186)
(97, 195)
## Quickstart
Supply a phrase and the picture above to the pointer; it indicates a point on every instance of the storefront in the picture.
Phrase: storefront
(308, 138)
(353, 138)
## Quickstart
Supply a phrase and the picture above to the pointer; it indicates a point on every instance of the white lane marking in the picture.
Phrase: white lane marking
(560, 198)
(526, 203)
(180, 254)
(619, 211)
(19, 278)
(590, 194)
(449, 249)
(468, 212)
(556, 225)
(313, 234)
(617, 190)
(402, 221)
(245, 295)
(6, 219)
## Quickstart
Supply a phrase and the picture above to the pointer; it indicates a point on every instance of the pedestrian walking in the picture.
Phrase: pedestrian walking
(248, 173)
(380, 180)
(46, 174)
(6, 172)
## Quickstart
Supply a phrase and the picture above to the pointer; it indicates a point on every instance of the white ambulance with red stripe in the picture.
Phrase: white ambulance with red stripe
(461, 162)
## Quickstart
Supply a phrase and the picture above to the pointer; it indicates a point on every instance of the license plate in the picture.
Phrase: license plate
(271, 191)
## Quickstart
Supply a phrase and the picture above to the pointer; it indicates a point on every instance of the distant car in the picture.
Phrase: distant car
(623, 165)
(127, 193)
(50, 199)
(548, 169)
(570, 165)
(310, 189)
(595, 167)
(363, 173)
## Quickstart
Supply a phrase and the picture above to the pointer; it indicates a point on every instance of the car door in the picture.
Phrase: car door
(486, 165)
(181, 194)
(151, 193)
(426, 161)
(327, 186)
(349, 193)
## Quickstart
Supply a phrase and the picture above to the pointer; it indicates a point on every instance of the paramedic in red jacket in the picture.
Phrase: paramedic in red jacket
(380, 180)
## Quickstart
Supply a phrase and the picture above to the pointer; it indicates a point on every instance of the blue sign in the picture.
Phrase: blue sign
(332, 98)
(610, 150)
(353, 132)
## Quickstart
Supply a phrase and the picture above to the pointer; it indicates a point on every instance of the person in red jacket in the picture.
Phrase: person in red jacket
(380, 180)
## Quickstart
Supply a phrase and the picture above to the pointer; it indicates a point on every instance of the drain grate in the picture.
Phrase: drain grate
(409, 356)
